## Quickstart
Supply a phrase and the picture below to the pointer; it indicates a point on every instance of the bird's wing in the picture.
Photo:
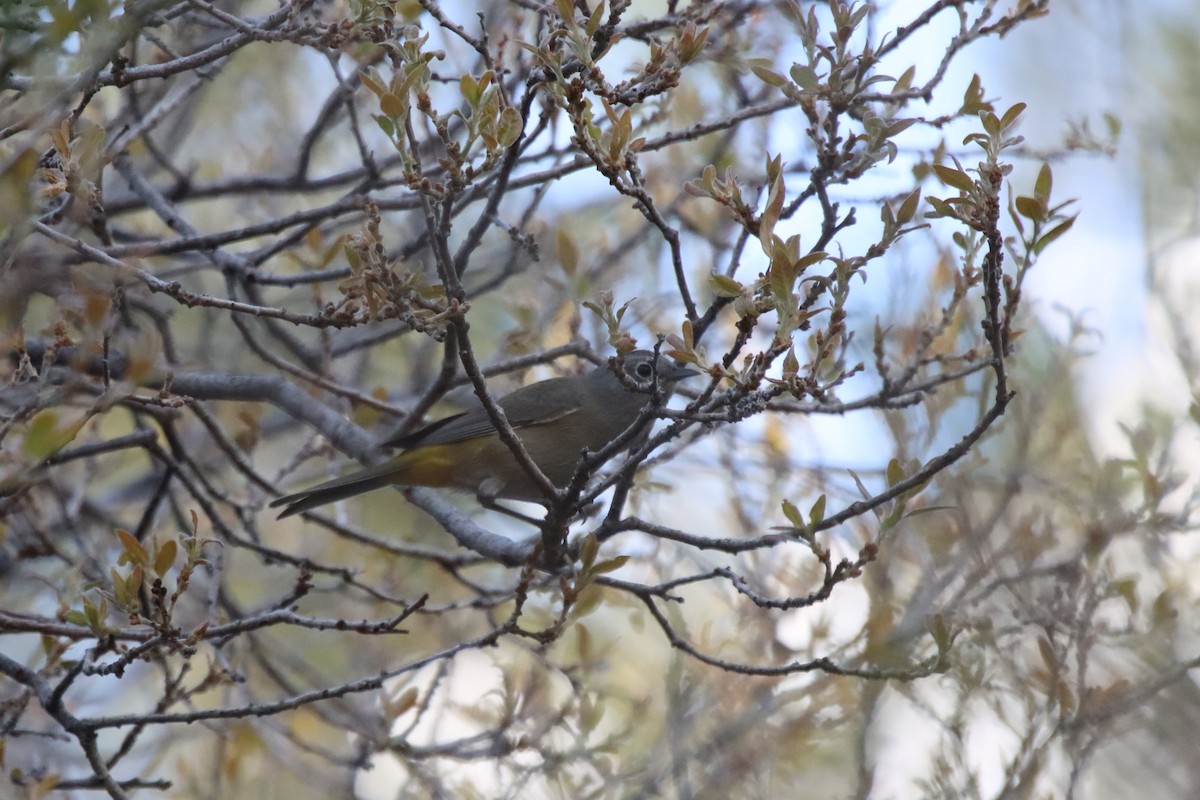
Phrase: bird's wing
(536, 404)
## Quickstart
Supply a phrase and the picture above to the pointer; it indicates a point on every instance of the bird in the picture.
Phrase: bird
(555, 419)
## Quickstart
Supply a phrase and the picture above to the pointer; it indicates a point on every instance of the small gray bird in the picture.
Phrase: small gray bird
(555, 419)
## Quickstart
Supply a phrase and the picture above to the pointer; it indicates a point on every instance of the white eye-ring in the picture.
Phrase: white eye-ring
(644, 370)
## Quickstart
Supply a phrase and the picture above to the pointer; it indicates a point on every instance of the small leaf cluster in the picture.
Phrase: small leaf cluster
(380, 286)
(974, 205)
(604, 306)
(473, 138)
(152, 603)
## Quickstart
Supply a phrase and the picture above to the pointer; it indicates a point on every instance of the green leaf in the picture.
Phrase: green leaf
(1011, 115)
(770, 215)
(47, 434)
(954, 178)
(164, 559)
(376, 88)
(39, 436)
(469, 88)
(392, 105)
(991, 123)
(689, 336)
(589, 600)
(415, 77)
(767, 76)
(899, 126)
(817, 512)
(568, 252)
(791, 364)
(1052, 234)
(724, 286)
(587, 551)
(887, 216)
(385, 125)
(973, 101)
(908, 208)
(593, 23)
(509, 128)
(780, 283)
(125, 588)
(133, 583)
(1044, 183)
(793, 514)
(805, 77)
(940, 207)
(134, 553)
(808, 260)
(118, 584)
(1030, 208)
(895, 472)
(610, 565)
(95, 615)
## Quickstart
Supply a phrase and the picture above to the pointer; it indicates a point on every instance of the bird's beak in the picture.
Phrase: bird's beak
(677, 372)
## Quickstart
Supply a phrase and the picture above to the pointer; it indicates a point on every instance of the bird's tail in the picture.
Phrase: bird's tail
(355, 483)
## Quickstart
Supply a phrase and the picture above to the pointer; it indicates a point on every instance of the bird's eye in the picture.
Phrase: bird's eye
(644, 370)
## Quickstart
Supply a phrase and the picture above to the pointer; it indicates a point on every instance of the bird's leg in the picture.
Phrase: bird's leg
(491, 505)
(486, 494)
